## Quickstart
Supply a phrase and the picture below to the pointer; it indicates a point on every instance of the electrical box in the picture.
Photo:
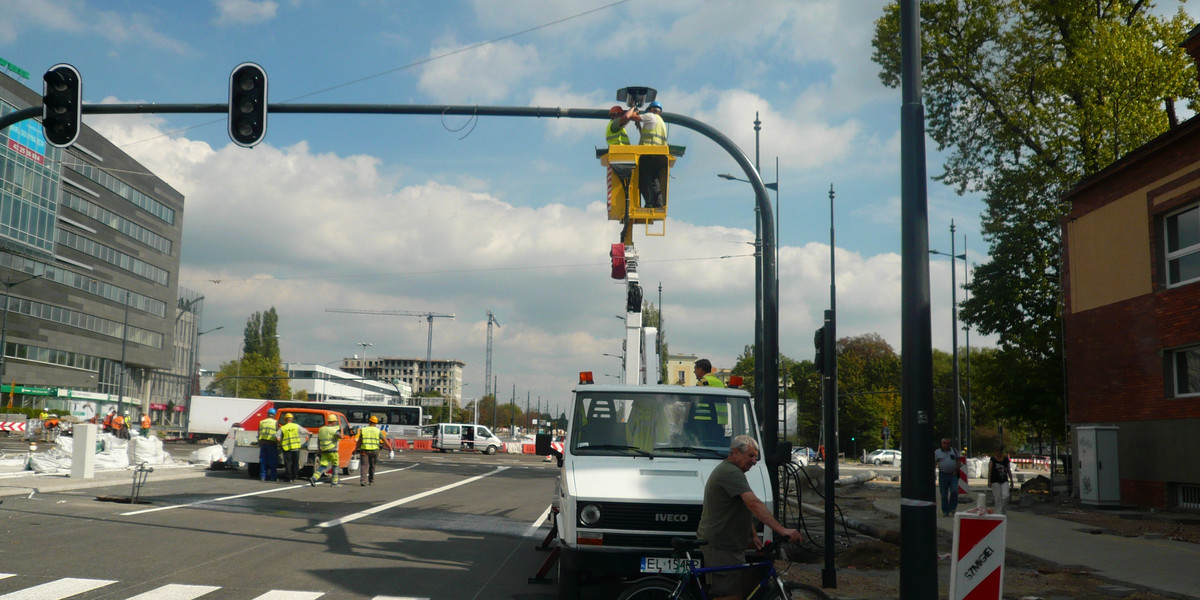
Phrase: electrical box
(1099, 476)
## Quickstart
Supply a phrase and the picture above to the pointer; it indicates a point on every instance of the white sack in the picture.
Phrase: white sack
(207, 455)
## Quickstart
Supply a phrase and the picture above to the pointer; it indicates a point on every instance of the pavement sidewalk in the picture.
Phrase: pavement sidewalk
(23, 483)
(1165, 567)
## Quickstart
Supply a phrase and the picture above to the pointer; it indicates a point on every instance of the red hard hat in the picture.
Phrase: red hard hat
(614, 111)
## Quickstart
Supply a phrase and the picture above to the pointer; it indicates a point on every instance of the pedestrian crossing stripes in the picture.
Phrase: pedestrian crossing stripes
(69, 587)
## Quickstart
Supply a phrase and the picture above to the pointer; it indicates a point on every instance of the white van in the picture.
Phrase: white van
(464, 436)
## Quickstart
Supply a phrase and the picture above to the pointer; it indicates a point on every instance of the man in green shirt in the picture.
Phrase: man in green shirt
(727, 520)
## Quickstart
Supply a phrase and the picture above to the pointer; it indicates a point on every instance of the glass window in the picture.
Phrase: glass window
(700, 425)
(1187, 371)
(1183, 246)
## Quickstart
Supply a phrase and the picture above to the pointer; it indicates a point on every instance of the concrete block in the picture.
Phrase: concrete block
(83, 451)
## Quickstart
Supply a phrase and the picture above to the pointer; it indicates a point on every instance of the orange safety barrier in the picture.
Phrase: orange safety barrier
(527, 448)
(422, 445)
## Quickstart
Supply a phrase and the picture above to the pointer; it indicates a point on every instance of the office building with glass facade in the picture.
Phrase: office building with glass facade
(89, 264)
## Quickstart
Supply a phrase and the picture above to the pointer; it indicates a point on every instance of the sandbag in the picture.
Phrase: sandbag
(207, 455)
(145, 450)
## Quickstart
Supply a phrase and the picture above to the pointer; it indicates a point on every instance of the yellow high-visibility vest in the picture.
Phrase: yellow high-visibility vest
(615, 135)
(654, 132)
(369, 437)
(327, 438)
(289, 437)
(266, 429)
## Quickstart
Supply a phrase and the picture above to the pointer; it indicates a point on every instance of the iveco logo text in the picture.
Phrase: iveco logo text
(670, 517)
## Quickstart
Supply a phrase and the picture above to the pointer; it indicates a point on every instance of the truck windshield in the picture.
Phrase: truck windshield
(674, 424)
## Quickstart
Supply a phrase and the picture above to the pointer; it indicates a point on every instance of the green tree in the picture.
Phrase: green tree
(1028, 97)
(868, 390)
(652, 317)
(258, 373)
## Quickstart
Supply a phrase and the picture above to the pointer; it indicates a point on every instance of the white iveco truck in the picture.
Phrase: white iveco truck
(634, 464)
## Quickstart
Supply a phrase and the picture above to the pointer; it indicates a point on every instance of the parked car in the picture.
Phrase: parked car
(804, 456)
(879, 457)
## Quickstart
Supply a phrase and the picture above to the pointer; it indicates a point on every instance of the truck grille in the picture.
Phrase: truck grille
(646, 517)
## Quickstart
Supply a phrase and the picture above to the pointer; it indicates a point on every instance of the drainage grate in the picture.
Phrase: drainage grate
(1189, 496)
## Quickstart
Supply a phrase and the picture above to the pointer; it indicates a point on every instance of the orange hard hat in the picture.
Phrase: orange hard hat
(615, 110)
(374, 419)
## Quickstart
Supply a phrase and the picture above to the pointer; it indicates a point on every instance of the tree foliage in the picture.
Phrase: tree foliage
(1028, 97)
(258, 371)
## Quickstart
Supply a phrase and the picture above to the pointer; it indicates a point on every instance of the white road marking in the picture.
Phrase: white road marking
(286, 595)
(536, 525)
(246, 495)
(395, 503)
(54, 590)
(176, 591)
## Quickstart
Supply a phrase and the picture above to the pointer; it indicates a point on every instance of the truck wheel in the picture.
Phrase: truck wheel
(252, 470)
(490, 450)
(568, 583)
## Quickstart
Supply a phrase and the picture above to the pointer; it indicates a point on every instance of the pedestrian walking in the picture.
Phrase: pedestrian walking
(327, 441)
(370, 438)
(268, 447)
(290, 441)
(947, 466)
(1000, 478)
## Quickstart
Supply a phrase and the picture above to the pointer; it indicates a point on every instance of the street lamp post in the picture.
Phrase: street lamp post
(121, 375)
(8, 284)
(958, 432)
(620, 358)
(362, 385)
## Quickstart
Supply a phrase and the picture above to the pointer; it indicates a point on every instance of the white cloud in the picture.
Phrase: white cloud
(244, 12)
(477, 75)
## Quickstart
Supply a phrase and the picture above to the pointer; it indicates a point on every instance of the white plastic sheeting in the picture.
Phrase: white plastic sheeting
(112, 454)
(207, 455)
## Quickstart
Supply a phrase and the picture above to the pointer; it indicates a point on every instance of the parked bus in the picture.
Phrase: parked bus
(399, 421)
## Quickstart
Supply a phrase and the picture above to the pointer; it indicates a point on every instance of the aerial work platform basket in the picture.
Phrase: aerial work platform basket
(641, 173)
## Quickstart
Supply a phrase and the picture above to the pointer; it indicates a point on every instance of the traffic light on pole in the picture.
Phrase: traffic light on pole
(247, 104)
(819, 357)
(62, 105)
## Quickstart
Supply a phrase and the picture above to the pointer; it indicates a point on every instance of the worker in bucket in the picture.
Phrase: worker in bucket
(327, 441)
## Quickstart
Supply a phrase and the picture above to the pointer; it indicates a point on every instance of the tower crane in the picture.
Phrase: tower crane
(487, 382)
(429, 316)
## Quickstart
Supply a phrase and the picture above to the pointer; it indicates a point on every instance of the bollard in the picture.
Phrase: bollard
(83, 451)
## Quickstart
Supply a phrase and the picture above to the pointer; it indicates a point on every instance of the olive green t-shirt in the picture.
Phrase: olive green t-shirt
(725, 521)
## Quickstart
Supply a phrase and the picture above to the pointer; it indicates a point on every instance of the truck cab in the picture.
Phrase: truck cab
(634, 465)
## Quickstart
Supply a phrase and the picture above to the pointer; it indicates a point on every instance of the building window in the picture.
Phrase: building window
(1183, 246)
(1186, 364)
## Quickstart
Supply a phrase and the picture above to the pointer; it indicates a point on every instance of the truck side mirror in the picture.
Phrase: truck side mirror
(541, 445)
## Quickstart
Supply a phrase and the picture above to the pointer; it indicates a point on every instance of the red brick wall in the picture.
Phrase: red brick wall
(1147, 494)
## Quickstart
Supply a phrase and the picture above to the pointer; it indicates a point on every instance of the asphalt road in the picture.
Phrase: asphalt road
(460, 526)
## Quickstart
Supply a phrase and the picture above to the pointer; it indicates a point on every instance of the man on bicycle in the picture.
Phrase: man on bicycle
(727, 520)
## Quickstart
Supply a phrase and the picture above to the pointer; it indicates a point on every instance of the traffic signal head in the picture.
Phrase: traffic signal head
(819, 357)
(247, 104)
(62, 105)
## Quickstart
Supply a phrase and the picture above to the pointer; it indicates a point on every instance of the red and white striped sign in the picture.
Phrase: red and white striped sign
(557, 446)
(977, 571)
(12, 426)
(962, 476)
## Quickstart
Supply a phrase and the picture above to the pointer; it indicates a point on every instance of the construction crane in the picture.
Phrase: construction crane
(429, 316)
(487, 382)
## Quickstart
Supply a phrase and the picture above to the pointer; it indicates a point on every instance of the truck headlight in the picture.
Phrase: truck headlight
(589, 515)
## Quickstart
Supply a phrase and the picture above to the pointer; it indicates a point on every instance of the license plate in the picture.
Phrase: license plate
(654, 564)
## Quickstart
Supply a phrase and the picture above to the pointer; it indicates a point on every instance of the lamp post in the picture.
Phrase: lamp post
(954, 331)
(620, 358)
(8, 284)
(362, 385)
(121, 375)
(758, 278)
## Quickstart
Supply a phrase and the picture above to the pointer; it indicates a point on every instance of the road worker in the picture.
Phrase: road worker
(268, 447)
(370, 438)
(145, 430)
(615, 133)
(327, 441)
(120, 426)
(108, 420)
(291, 438)
(651, 125)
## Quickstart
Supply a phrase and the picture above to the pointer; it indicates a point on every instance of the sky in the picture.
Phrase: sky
(460, 215)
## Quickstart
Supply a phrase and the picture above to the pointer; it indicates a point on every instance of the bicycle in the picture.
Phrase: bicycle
(688, 586)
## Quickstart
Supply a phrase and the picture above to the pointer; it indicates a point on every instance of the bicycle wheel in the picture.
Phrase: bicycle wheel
(655, 588)
(795, 590)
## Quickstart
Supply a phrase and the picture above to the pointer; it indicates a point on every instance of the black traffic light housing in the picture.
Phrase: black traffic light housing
(635, 96)
(62, 105)
(819, 357)
(247, 104)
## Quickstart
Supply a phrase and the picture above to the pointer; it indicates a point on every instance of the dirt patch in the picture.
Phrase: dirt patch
(868, 569)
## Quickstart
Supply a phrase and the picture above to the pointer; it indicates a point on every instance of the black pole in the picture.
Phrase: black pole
(832, 467)
(918, 517)
(759, 379)
(121, 375)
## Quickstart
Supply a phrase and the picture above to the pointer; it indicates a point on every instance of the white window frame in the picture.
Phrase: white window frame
(1176, 354)
(1180, 253)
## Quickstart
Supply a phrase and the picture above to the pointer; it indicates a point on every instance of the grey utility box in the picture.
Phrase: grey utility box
(1099, 476)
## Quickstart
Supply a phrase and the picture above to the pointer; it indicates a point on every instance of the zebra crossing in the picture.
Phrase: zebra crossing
(74, 587)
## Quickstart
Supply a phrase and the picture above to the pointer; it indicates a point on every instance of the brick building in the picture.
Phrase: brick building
(1131, 280)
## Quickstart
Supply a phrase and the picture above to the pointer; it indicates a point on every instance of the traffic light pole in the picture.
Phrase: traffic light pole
(769, 350)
